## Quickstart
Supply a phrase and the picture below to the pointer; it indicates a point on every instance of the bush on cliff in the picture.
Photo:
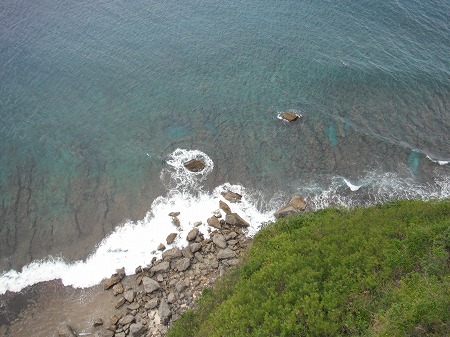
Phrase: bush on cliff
(378, 271)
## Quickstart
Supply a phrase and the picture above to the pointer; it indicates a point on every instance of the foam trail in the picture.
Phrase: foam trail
(440, 162)
(352, 187)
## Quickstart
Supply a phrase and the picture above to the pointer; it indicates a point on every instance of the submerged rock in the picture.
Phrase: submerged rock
(232, 196)
(195, 165)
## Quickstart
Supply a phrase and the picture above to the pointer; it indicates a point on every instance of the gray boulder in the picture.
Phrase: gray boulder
(137, 330)
(226, 253)
(164, 312)
(219, 241)
(170, 254)
(150, 285)
(183, 264)
(161, 267)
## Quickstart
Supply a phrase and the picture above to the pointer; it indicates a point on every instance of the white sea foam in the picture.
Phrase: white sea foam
(134, 243)
(352, 187)
(440, 162)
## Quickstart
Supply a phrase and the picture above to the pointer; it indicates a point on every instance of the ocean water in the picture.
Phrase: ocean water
(102, 102)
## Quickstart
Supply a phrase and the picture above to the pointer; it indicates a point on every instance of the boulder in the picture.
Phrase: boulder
(192, 235)
(214, 222)
(137, 330)
(164, 312)
(195, 165)
(109, 282)
(120, 302)
(161, 247)
(298, 203)
(226, 253)
(98, 321)
(172, 254)
(153, 303)
(224, 207)
(231, 196)
(235, 219)
(117, 289)
(187, 252)
(150, 285)
(175, 221)
(219, 241)
(183, 264)
(171, 298)
(129, 295)
(195, 247)
(171, 238)
(126, 319)
(114, 319)
(172, 214)
(289, 116)
(161, 267)
(295, 205)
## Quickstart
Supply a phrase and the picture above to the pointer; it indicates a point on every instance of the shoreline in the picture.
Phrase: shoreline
(125, 305)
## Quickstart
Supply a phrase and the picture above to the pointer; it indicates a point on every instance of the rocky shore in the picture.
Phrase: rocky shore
(148, 302)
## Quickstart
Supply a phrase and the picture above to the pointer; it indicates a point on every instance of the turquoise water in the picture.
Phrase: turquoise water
(94, 97)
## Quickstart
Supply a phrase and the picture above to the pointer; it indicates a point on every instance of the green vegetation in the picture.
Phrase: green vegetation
(378, 271)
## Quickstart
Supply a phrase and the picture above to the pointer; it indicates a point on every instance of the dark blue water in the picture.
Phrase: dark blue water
(96, 96)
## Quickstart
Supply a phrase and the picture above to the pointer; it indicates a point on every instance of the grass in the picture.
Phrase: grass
(377, 271)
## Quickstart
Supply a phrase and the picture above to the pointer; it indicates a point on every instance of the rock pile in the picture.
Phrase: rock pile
(156, 296)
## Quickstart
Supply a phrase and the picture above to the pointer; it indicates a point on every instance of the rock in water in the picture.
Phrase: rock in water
(214, 222)
(231, 196)
(289, 116)
(224, 207)
(195, 165)
(192, 235)
(171, 238)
